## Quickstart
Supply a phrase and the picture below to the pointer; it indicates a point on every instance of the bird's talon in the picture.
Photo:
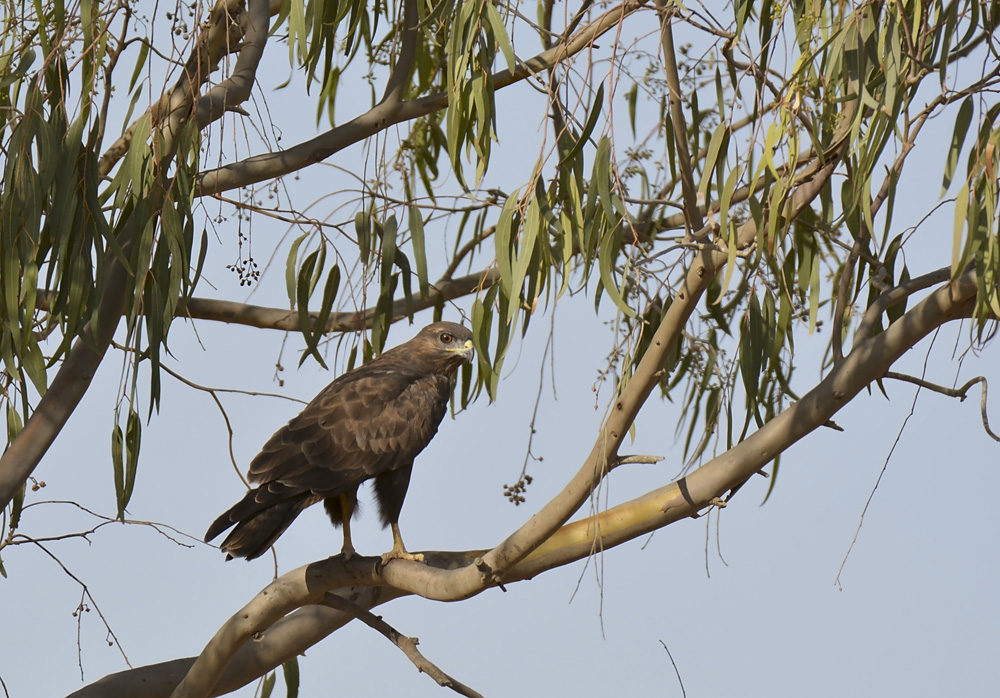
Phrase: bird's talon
(401, 555)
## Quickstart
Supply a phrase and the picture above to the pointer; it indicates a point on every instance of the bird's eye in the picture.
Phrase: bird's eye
(447, 338)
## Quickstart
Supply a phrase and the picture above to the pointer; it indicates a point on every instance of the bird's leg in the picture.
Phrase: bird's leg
(398, 551)
(346, 511)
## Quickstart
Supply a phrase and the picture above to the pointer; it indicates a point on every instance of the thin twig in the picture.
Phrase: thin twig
(625, 460)
(85, 594)
(960, 393)
(160, 528)
(225, 415)
(718, 538)
(676, 670)
(692, 212)
(878, 481)
(408, 645)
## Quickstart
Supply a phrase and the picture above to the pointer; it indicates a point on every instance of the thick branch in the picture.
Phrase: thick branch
(287, 638)
(403, 67)
(389, 112)
(77, 370)
(288, 320)
(280, 597)
(898, 295)
(868, 360)
(71, 381)
(215, 41)
(235, 89)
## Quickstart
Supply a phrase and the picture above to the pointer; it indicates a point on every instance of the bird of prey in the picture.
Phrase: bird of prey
(370, 423)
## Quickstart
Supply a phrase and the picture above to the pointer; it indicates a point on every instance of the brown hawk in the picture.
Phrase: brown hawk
(369, 423)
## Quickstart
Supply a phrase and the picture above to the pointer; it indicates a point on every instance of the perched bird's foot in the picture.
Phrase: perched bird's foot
(398, 551)
(347, 552)
(401, 554)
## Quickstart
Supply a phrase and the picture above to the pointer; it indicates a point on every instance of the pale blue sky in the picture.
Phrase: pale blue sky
(917, 614)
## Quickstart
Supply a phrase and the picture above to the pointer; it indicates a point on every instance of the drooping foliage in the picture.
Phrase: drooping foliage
(775, 135)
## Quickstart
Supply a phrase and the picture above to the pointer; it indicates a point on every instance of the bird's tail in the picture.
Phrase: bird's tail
(260, 517)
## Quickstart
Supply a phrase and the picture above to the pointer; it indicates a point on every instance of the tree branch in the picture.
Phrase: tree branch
(867, 361)
(287, 638)
(236, 88)
(408, 645)
(898, 295)
(388, 112)
(77, 370)
(692, 212)
(960, 393)
(215, 41)
(70, 382)
(288, 320)
(402, 69)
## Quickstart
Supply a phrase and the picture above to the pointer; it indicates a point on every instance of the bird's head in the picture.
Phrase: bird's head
(447, 345)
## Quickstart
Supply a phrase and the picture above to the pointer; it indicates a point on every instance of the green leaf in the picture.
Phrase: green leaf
(23, 66)
(296, 29)
(34, 364)
(140, 63)
(118, 464)
(631, 97)
(610, 244)
(715, 158)
(309, 273)
(329, 296)
(961, 130)
(529, 233)
(752, 350)
(961, 210)
(946, 44)
(419, 249)
(133, 439)
(291, 671)
(291, 266)
(363, 228)
(267, 687)
(499, 32)
(602, 178)
(588, 128)
(730, 230)
(503, 240)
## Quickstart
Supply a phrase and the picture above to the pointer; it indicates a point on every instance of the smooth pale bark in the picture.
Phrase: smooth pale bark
(285, 618)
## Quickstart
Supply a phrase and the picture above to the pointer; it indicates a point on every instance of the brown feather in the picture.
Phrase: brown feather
(368, 422)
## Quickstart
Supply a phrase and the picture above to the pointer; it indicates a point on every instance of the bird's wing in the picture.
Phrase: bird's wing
(374, 419)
